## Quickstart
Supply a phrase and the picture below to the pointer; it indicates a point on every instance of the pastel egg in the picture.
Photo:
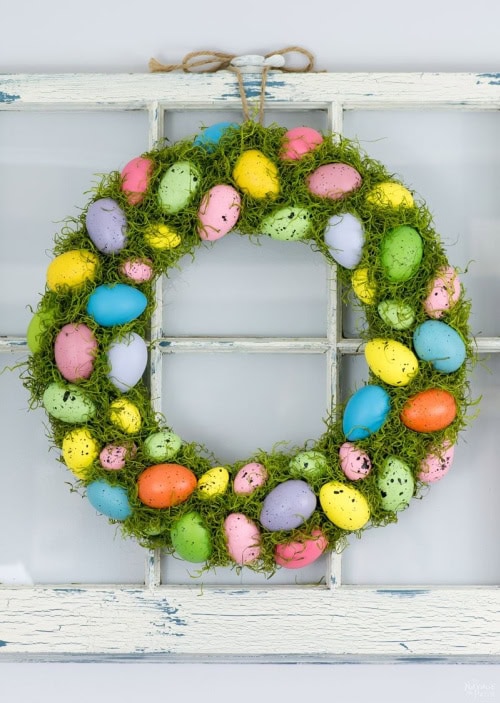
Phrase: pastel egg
(160, 236)
(191, 539)
(213, 482)
(296, 555)
(243, 538)
(162, 445)
(117, 304)
(390, 194)
(75, 350)
(256, 175)
(395, 484)
(218, 213)
(135, 179)
(71, 270)
(396, 314)
(429, 411)
(111, 501)
(107, 225)
(287, 224)
(113, 457)
(68, 403)
(391, 361)
(344, 237)
(309, 464)
(79, 451)
(165, 485)
(354, 462)
(125, 415)
(37, 328)
(365, 412)
(210, 137)
(177, 186)
(436, 465)
(444, 292)
(300, 141)
(138, 270)
(363, 286)
(249, 478)
(333, 181)
(440, 344)
(343, 505)
(401, 252)
(288, 506)
(127, 359)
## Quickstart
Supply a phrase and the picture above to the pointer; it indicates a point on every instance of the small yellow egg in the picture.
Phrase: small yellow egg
(161, 236)
(363, 286)
(391, 361)
(256, 175)
(71, 269)
(214, 482)
(79, 450)
(125, 415)
(344, 506)
(390, 195)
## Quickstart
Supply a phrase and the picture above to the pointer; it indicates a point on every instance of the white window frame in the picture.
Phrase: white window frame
(333, 622)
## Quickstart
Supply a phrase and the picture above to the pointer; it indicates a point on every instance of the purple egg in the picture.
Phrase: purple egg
(288, 506)
(107, 225)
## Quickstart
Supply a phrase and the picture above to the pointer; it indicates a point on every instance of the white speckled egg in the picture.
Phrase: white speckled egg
(344, 237)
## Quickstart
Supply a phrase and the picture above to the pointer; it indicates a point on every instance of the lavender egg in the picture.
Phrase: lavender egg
(107, 225)
(288, 506)
(127, 359)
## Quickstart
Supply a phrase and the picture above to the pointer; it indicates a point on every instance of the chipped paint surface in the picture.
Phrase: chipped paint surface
(8, 97)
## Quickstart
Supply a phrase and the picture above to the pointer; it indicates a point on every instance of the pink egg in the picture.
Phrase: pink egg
(138, 270)
(113, 457)
(354, 462)
(242, 538)
(75, 351)
(218, 213)
(248, 478)
(300, 141)
(444, 293)
(435, 466)
(136, 175)
(333, 181)
(296, 555)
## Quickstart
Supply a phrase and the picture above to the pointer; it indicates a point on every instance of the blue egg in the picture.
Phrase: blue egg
(107, 225)
(440, 344)
(210, 136)
(365, 412)
(116, 304)
(109, 500)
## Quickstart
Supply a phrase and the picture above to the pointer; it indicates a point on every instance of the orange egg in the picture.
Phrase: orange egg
(429, 411)
(165, 485)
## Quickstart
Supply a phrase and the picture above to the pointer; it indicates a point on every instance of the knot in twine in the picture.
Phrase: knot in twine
(213, 61)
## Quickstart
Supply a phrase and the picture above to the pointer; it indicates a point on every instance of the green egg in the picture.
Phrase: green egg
(68, 403)
(38, 325)
(177, 186)
(309, 464)
(401, 253)
(396, 314)
(396, 484)
(287, 224)
(191, 539)
(162, 445)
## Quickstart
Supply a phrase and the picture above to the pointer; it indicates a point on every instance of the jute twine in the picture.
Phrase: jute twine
(213, 61)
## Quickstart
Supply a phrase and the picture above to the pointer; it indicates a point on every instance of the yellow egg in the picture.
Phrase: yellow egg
(161, 236)
(79, 450)
(363, 286)
(391, 361)
(71, 269)
(213, 482)
(344, 506)
(125, 415)
(256, 175)
(390, 195)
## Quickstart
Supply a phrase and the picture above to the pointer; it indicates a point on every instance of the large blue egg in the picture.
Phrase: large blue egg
(440, 344)
(365, 412)
(107, 225)
(116, 304)
(109, 500)
(211, 136)
(287, 506)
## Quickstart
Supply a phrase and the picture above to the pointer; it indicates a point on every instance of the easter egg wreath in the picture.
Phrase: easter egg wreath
(89, 347)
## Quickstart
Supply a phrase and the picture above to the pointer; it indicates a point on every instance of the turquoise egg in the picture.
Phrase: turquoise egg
(365, 412)
(287, 224)
(177, 186)
(401, 253)
(396, 484)
(210, 137)
(118, 304)
(68, 403)
(109, 500)
(440, 344)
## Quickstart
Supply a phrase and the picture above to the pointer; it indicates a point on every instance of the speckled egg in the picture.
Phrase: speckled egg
(135, 179)
(71, 270)
(401, 252)
(138, 270)
(79, 451)
(396, 314)
(218, 213)
(440, 344)
(68, 403)
(354, 462)
(165, 485)
(309, 464)
(300, 141)
(243, 538)
(296, 555)
(160, 236)
(344, 505)
(288, 506)
(363, 286)
(249, 478)
(213, 483)
(37, 328)
(162, 445)
(75, 349)
(345, 237)
(365, 412)
(436, 465)
(177, 186)
(210, 137)
(444, 292)
(111, 305)
(108, 500)
(191, 538)
(114, 457)
(395, 484)
(333, 181)
(256, 175)
(429, 411)
(390, 194)
(125, 415)
(391, 361)
(127, 359)
(287, 224)
(107, 225)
